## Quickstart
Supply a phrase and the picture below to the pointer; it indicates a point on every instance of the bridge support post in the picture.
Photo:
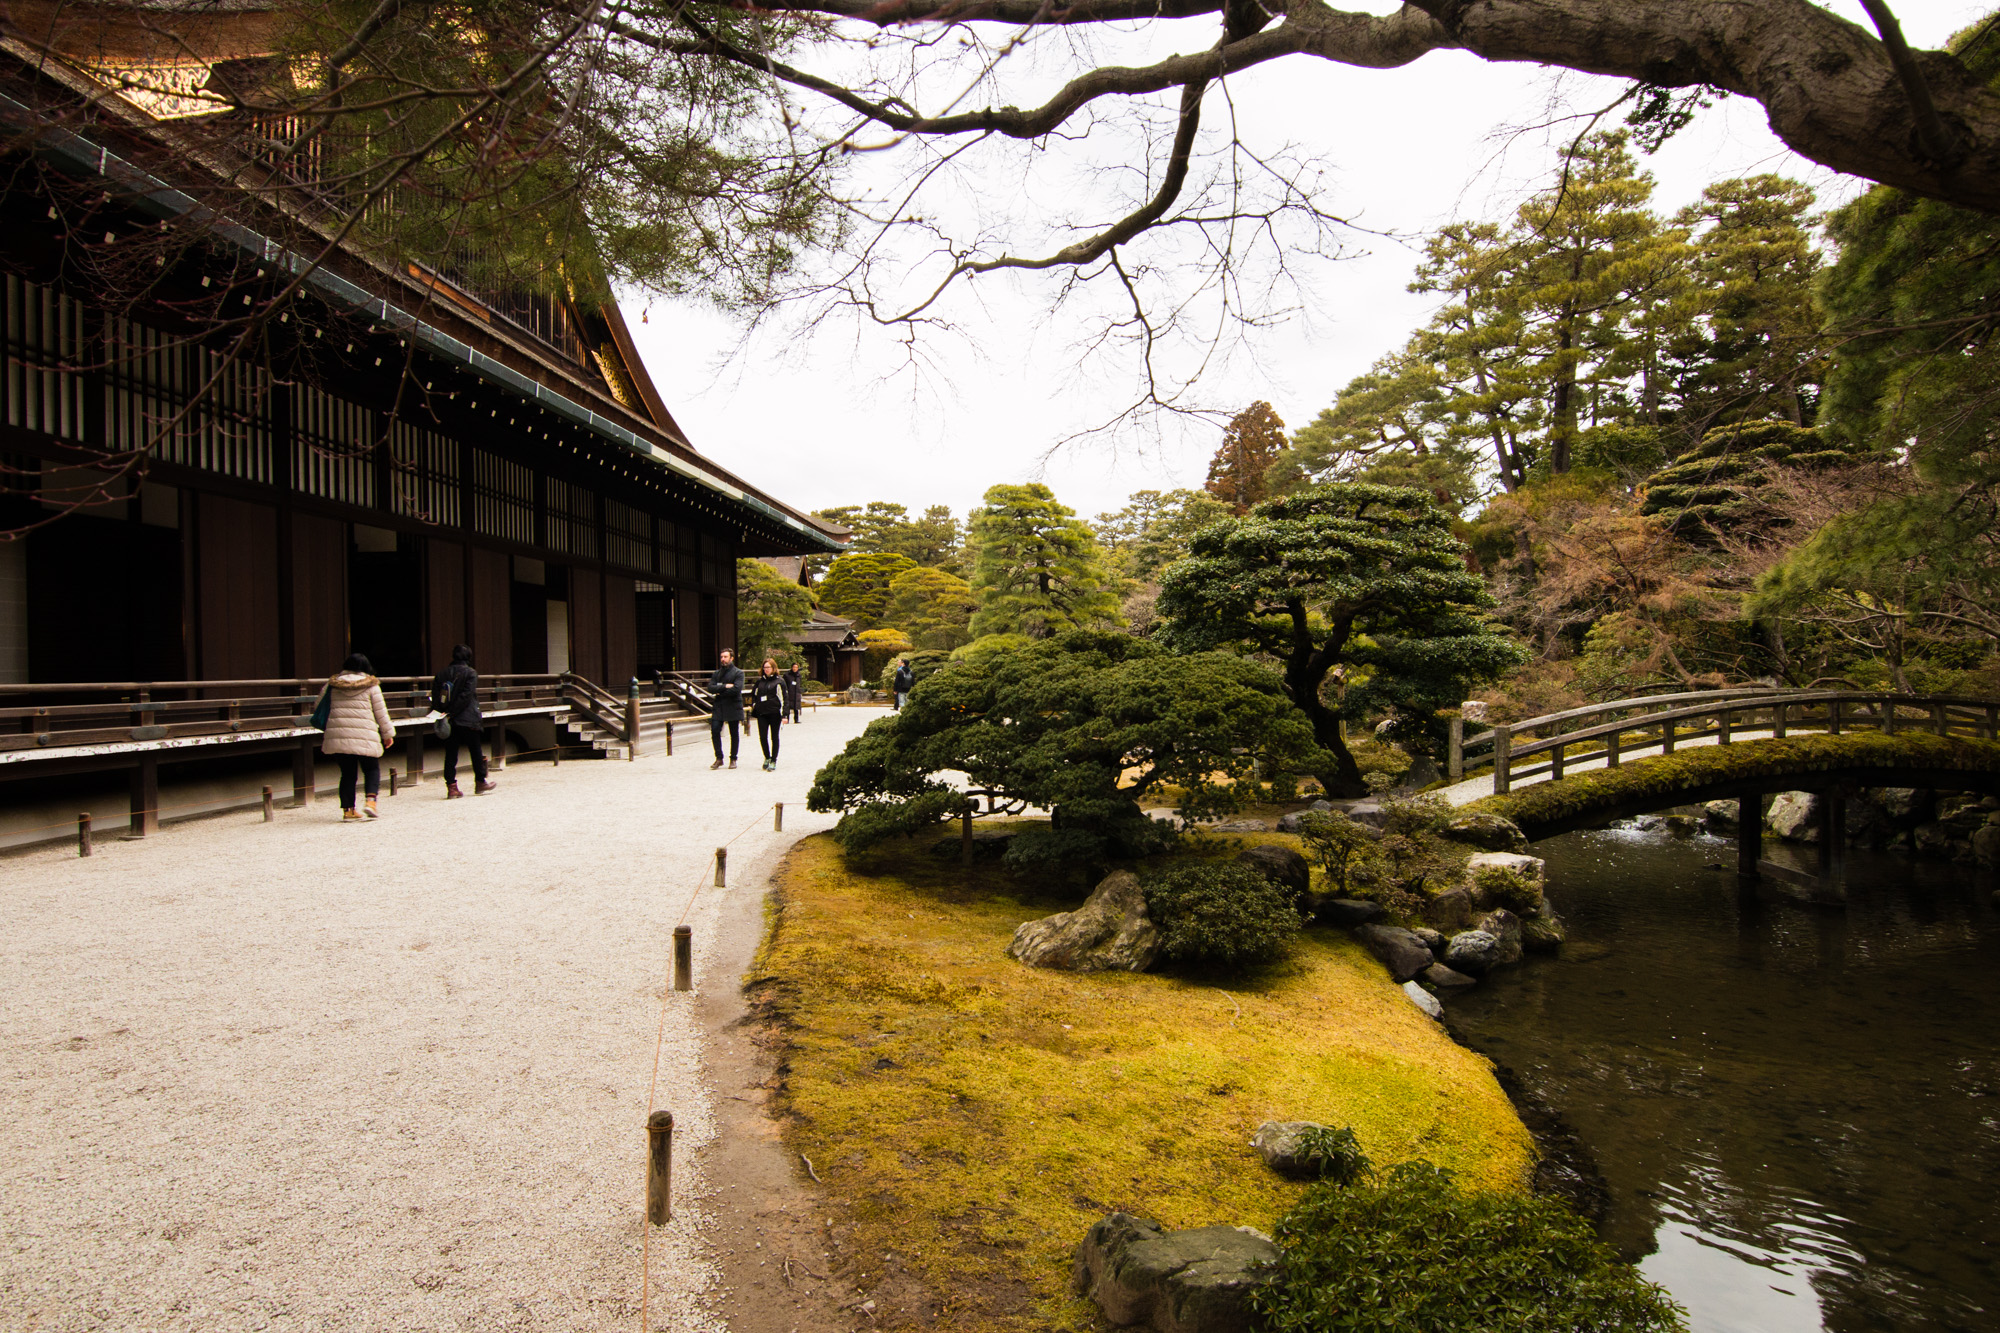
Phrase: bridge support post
(145, 798)
(1503, 738)
(1833, 838)
(1749, 835)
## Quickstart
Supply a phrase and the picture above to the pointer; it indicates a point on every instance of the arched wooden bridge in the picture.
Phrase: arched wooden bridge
(1580, 768)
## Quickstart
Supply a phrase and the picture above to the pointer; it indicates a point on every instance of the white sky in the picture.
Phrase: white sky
(828, 416)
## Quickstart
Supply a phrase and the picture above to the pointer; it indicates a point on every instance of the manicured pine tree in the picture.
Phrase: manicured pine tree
(1036, 568)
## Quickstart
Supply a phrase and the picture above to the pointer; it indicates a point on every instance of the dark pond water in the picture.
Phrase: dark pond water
(1797, 1110)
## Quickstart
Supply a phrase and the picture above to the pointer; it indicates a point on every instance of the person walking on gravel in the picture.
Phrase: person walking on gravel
(795, 689)
(726, 685)
(906, 680)
(455, 693)
(357, 731)
(767, 705)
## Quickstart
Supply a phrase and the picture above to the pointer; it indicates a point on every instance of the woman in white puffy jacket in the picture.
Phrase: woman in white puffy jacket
(357, 732)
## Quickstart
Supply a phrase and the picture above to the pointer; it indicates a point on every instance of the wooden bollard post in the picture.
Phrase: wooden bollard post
(669, 733)
(659, 1167)
(778, 817)
(84, 846)
(632, 719)
(721, 867)
(392, 782)
(270, 811)
(683, 957)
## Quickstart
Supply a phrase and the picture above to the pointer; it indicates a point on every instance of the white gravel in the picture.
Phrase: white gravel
(389, 1076)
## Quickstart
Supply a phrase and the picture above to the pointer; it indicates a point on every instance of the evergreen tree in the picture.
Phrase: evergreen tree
(933, 606)
(769, 606)
(1368, 579)
(1154, 529)
(1036, 568)
(857, 586)
(1250, 444)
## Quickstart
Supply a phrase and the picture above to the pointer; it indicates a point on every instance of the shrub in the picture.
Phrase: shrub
(1220, 912)
(1507, 888)
(1411, 1250)
(1334, 1154)
(1337, 844)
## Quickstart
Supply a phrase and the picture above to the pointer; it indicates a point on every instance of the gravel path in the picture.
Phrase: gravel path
(389, 1076)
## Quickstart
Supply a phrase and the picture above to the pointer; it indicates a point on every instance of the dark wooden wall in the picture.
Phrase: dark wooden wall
(489, 580)
(725, 625)
(586, 625)
(621, 631)
(444, 600)
(687, 618)
(236, 587)
(319, 594)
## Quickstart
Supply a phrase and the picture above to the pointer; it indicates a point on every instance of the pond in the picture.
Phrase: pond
(1796, 1110)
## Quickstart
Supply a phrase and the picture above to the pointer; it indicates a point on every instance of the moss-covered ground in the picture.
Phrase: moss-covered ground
(972, 1116)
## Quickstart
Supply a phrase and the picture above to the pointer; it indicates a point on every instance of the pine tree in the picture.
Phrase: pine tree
(1036, 568)
(1253, 441)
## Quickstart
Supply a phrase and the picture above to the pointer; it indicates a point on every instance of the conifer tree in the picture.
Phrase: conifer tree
(1249, 446)
(1036, 568)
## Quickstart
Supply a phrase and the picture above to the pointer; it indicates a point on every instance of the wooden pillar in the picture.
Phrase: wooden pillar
(302, 773)
(1502, 744)
(413, 754)
(496, 758)
(1455, 765)
(1833, 838)
(146, 797)
(1749, 835)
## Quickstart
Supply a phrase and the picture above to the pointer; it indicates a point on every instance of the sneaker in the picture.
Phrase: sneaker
(717, 764)
(372, 812)
(346, 815)
(732, 763)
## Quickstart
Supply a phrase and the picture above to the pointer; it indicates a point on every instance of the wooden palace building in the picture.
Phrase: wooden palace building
(394, 464)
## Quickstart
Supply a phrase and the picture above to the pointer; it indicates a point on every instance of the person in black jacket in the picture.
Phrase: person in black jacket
(795, 688)
(906, 680)
(455, 693)
(767, 705)
(726, 684)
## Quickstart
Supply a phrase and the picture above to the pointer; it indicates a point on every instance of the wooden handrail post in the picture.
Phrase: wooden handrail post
(659, 1167)
(721, 867)
(84, 845)
(1993, 722)
(1503, 738)
(270, 811)
(1611, 759)
(1888, 714)
(1556, 757)
(778, 817)
(1667, 736)
(683, 957)
(1455, 765)
(1722, 726)
(1940, 723)
(1778, 721)
(632, 719)
(145, 797)
(1833, 717)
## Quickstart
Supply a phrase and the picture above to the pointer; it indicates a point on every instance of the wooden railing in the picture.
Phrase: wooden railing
(1609, 731)
(690, 688)
(138, 711)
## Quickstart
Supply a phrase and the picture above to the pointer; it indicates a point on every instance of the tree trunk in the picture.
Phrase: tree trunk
(1562, 403)
(1344, 778)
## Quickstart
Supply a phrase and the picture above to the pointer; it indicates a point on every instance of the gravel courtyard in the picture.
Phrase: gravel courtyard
(383, 1076)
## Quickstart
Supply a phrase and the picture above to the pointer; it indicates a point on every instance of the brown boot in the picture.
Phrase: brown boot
(370, 810)
(481, 788)
(451, 791)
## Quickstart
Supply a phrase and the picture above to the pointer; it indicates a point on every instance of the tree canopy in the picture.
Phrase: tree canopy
(1236, 475)
(1091, 726)
(1036, 567)
(933, 607)
(857, 585)
(1366, 579)
(768, 607)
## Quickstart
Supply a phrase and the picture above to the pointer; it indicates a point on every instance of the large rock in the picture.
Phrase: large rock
(1450, 910)
(1423, 999)
(1109, 933)
(1290, 823)
(1345, 912)
(1505, 879)
(1444, 978)
(1281, 1143)
(1368, 811)
(1986, 844)
(1238, 826)
(1720, 816)
(1794, 816)
(1473, 710)
(1422, 773)
(1472, 952)
(1400, 951)
(1433, 940)
(1197, 1281)
(1906, 807)
(1283, 867)
(1543, 932)
(1489, 833)
(1505, 927)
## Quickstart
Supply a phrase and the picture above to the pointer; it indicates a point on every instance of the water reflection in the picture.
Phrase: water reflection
(1797, 1109)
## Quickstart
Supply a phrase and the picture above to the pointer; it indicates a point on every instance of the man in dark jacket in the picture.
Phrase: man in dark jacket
(726, 685)
(795, 688)
(906, 680)
(455, 693)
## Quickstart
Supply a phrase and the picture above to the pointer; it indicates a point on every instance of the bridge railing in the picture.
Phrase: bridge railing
(1665, 721)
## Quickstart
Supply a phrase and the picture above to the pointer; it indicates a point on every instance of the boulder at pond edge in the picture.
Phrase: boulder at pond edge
(1423, 999)
(1400, 951)
(1197, 1281)
(1489, 833)
(1283, 867)
(1109, 933)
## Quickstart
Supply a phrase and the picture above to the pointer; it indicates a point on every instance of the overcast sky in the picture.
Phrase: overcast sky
(833, 416)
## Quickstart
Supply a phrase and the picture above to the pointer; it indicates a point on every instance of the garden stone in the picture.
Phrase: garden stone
(1489, 833)
(1472, 952)
(1683, 826)
(1543, 932)
(1532, 869)
(1719, 816)
(1433, 940)
(1504, 927)
(1281, 1143)
(1346, 912)
(1474, 710)
(1437, 974)
(1109, 933)
(1368, 811)
(1291, 823)
(1450, 910)
(1907, 806)
(1282, 866)
(1933, 840)
(1400, 951)
(1239, 826)
(1794, 816)
(1197, 1281)
(1986, 845)
(1422, 772)
(1423, 999)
